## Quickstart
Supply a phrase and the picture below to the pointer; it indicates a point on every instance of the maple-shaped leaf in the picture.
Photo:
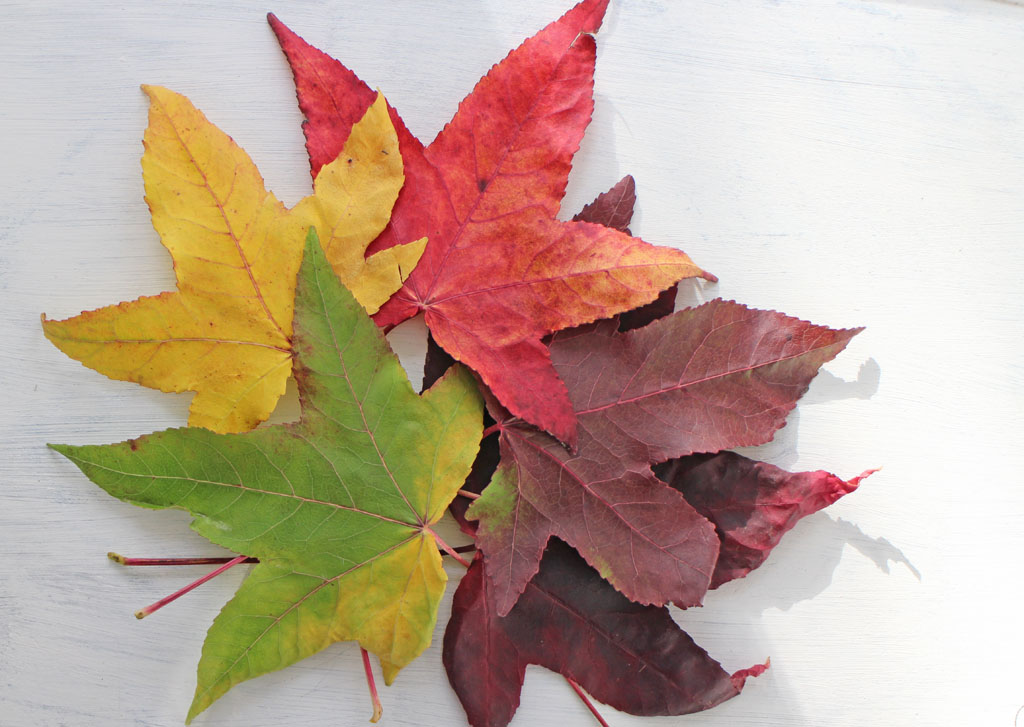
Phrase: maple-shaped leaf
(630, 656)
(613, 208)
(752, 504)
(338, 507)
(700, 380)
(226, 332)
(499, 272)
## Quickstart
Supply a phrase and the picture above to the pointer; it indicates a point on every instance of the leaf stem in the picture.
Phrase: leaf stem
(453, 552)
(586, 700)
(143, 612)
(118, 558)
(378, 710)
(469, 495)
(490, 430)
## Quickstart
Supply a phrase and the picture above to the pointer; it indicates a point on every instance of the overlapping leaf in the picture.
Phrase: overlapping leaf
(226, 332)
(571, 621)
(613, 208)
(752, 504)
(630, 656)
(338, 507)
(700, 380)
(499, 272)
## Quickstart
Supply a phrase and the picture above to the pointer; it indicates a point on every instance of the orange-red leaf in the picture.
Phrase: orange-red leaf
(500, 272)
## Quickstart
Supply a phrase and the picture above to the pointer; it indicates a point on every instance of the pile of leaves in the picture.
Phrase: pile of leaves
(572, 421)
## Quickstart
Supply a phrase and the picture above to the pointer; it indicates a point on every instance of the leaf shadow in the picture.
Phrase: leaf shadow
(829, 387)
(802, 565)
(730, 625)
(783, 450)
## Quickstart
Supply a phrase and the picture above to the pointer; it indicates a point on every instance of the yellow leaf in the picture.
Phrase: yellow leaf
(351, 204)
(226, 332)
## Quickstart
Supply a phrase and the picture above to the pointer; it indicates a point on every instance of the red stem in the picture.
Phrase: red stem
(142, 613)
(378, 710)
(586, 700)
(491, 430)
(453, 552)
(118, 558)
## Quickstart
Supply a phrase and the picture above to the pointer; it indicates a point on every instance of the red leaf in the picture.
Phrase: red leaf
(703, 379)
(500, 272)
(614, 208)
(752, 504)
(569, 620)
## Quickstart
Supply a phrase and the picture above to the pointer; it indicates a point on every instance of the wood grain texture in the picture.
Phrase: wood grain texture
(847, 162)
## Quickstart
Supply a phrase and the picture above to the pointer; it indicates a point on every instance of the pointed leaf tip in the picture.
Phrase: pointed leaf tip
(740, 677)
(854, 482)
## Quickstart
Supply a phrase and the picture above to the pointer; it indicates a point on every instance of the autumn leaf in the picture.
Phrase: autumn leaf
(613, 208)
(569, 620)
(700, 380)
(226, 332)
(752, 504)
(500, 271)
(338, 507)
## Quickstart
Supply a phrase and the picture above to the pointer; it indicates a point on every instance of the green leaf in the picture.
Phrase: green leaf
(338, 506)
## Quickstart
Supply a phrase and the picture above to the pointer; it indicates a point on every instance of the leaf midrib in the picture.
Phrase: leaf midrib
(696, 382)
(227, 223)
(255, 490)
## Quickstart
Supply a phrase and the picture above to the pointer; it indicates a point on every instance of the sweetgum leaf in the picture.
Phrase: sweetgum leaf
(500, 272)
(338, 507)
(700, 380)
(571, 621)
(613, 208)
(226, 332)
(752, 504)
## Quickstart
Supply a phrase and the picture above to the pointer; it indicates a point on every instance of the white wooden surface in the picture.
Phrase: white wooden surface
(853, 162)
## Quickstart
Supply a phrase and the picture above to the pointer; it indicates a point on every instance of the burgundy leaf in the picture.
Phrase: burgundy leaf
(484, 465)
(437, 362)
(613, 208)
(703, 379)
(752, 504)
(632, 657)
(658, 308)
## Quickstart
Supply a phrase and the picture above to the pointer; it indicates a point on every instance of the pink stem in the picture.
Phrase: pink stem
(586, 700)
(378, 710)
(450, 550)
(468, 494)
(142, 613)
(491, 430)
(118, 558)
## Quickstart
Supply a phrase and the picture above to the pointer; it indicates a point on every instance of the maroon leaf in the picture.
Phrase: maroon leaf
(484, 465)
(632, 657)
(752, 504)
(437, 362)
(658, 308)
(613, 208)
(701, 380)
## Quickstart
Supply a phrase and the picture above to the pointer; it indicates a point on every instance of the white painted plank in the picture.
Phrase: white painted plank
(850, 162)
